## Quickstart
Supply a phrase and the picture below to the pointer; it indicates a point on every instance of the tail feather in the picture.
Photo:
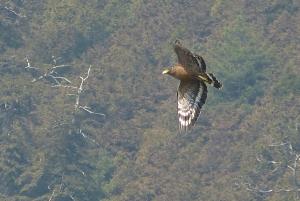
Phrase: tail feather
(215, 82)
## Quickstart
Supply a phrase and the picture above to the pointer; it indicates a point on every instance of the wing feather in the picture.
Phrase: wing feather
(191, 96)
(191, 62)
(201, 62)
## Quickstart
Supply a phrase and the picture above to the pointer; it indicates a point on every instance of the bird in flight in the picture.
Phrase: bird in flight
(192, 90)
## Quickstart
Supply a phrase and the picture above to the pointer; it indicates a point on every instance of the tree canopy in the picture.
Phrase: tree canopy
(113, 136)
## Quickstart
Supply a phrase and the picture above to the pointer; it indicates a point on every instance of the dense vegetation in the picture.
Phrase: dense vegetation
(125, 145)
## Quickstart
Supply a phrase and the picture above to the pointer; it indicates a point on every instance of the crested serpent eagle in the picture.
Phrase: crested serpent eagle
(192, 90)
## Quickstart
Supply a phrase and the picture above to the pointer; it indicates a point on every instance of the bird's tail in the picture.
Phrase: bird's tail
(210, 79)
(215, 82)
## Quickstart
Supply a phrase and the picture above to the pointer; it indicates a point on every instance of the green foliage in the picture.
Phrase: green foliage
(51, 151)
(9, 37)
(242, 59)
(288, 84)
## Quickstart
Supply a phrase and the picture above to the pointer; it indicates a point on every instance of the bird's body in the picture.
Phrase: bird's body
(180, 73)
(192, 90)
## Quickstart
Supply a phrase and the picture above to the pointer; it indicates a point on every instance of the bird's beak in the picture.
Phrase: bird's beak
(166, 71)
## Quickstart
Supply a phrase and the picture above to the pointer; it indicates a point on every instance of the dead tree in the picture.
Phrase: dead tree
(288, 165)
(51, 74)
(58, 80)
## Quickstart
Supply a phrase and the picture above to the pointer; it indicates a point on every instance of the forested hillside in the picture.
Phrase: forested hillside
(85, 114)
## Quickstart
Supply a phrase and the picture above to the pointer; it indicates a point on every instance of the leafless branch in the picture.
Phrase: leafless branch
(29, 66)
(78, 94)
(51, 73)
(61, 81)
(77, 91)
(72, 197)
(52, 195)
(12, 11)
(86, 136)
(60, 66)
(278, 144)
(254, 188)
(54, 188)
(65, 86)
(260, 158)
(80, 89)
(291, 164)
(87, 109)
(83, 80)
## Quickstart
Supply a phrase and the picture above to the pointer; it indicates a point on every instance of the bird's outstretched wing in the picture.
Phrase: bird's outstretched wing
(192, 63)
(191, 96)
(201, 62)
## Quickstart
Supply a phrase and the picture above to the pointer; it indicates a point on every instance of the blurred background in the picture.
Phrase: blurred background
(114, 135)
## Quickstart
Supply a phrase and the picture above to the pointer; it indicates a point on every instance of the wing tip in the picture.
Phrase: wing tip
(187, 125)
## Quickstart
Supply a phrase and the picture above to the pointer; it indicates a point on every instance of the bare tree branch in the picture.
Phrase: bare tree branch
(51, 73)
(86, 108)
(291, 163)
(52, 195)
(85, 136)
(79, 91)
(29, 66)
(54, 188)
(62, 81)
(12, 11)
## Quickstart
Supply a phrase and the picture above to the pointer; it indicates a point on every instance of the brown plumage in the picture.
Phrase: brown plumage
(192, 90)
